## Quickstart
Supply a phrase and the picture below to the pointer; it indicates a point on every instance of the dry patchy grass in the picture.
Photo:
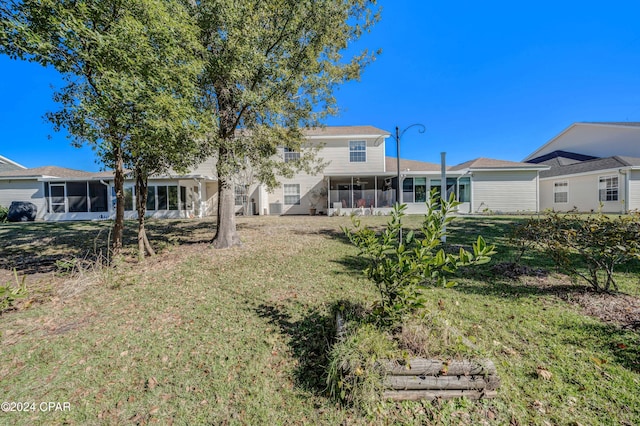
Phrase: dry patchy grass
(240, 336)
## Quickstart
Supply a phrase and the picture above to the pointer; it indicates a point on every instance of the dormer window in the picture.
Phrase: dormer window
(291, 155)
(357, 151)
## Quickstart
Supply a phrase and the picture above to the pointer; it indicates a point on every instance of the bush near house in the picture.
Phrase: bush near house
(589, 247)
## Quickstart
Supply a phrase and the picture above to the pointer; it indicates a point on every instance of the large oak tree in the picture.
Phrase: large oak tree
(271, 69)
(130, 69)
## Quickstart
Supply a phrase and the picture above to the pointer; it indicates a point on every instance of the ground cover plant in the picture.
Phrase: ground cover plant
(241, 336)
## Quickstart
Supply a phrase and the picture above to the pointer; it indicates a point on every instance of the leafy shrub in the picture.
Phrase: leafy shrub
(4, 211)
(9, 293)
(599, 242)
(401, 264)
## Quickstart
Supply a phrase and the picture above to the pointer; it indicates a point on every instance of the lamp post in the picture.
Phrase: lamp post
(398, 188)
(398, 136)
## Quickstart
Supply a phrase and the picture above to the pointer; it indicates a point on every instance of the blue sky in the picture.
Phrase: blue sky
(487, 78)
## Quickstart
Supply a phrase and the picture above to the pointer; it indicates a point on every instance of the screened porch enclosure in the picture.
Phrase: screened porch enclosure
(352, 192)
(363, 191)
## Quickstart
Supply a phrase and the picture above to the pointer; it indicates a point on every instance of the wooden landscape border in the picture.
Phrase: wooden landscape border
(429, 379)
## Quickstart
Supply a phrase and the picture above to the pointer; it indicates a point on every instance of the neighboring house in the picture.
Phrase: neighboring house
(593, 166)
(6, 165)
(66, 194)
(500, 186)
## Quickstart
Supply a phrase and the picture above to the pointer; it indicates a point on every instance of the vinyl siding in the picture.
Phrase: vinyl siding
(504, 191)
(336, 152)
(23, 190)
(583, 193)
(634, 190)
(307, 184)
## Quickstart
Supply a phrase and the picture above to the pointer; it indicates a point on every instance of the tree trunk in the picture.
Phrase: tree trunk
(118, 183)
(226, 233)
(144, 247)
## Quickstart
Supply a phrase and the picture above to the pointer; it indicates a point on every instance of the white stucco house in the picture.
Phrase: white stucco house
(358, 177)
(592, 167)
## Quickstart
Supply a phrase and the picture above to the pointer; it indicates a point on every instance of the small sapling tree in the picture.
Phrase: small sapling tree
(400, 266)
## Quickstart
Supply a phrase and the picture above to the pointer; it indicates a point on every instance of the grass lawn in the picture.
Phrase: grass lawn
(241, 336)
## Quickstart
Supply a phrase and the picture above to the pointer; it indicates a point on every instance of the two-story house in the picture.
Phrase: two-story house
(358, 177)
(592, 166)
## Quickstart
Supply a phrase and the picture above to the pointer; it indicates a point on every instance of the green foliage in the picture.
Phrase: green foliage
(599, 242)
(130, 70)
(4, 211)
(272, 68)
(354, 375)
(400, 263)
(10, 293)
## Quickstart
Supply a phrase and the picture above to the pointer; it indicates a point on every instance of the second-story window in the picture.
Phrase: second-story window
(290, 155)
(357, 151)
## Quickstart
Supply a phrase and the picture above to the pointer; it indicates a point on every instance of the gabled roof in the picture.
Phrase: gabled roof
(490, 163)
(594, 165)
(6, 164)
(337, 131)
(410, 165)
(598, 139)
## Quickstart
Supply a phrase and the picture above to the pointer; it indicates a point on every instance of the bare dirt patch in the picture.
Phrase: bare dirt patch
(615, 308)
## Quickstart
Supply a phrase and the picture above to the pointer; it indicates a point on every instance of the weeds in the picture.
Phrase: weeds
(9, 293)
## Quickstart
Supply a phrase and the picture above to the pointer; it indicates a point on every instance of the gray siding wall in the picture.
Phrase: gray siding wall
(336, 152)
(307, 184)
(583, 193)
(23, 190)
(634, 190)
(504, 191)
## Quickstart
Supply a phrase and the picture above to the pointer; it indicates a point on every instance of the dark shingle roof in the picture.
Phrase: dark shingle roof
(490, 163)
(561, 158)
(590, 166)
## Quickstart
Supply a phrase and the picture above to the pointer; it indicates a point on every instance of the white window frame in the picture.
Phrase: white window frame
(65, 203)
(291, 192)
(290, 155)
(605, 185)
(240, 194)
(561, 187)
(357, 151)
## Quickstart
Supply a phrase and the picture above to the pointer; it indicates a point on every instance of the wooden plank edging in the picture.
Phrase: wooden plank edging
(417, 395)
(434, 367)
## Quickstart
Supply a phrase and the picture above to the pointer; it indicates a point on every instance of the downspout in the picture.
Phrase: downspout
(627, 175)
(471, 192)
(328, 194)
(538, 192)
(443, 189)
